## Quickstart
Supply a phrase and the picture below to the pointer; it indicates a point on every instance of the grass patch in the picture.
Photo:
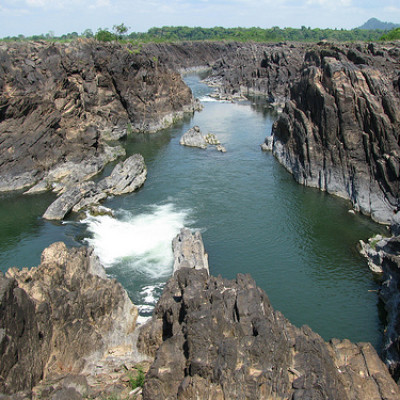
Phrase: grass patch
(138, 380)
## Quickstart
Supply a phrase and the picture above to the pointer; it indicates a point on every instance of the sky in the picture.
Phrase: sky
(30, 17)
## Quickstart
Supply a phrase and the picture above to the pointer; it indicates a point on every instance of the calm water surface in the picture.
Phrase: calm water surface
(299, 244)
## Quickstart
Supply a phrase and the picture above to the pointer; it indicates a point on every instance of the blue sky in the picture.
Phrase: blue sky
(30, 17)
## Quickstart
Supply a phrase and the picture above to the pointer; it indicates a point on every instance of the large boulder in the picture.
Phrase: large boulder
(193, 138)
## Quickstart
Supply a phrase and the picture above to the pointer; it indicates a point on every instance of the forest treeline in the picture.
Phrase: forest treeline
(184, 33)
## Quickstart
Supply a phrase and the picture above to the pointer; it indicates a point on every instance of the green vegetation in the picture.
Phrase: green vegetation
(185, 33)
(392, 35)
(138, 380)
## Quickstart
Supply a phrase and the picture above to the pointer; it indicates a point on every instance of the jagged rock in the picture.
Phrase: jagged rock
(63, 317)
(126, 177)
(215, 338)
(64, 204)
(339, 131)
(193, 138)
(390, 295)
(221, 148)
(189, 251)
(59, 103)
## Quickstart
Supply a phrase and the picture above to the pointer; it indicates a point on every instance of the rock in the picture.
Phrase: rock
(189, 251)
(390, 296)
(211, 139)
(221, 148)
(338, 131)
(217, 338)
(126, 177)
(60, 103)
(64, 204)
(268, 144)
(193, 138)
(62, 317)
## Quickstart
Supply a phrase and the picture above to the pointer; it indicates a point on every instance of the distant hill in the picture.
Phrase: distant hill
(374, 23)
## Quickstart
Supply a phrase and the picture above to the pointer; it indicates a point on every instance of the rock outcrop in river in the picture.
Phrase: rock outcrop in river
(60, 103)
(126, 177)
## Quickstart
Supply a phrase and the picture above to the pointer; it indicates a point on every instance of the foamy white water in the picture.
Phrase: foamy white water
(140, 242)
(209, 99)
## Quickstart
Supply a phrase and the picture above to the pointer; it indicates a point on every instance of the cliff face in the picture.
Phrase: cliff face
(60, 103)
(238, 68)
(340, 130)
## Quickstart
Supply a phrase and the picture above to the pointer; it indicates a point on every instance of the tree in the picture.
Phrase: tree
(103, 35)
(87, 33)
(120, 30)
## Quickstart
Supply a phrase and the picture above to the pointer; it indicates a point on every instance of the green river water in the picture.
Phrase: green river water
(299, 244)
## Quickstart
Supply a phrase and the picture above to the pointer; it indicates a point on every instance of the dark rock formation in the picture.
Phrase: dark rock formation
(238, 69)
(340, 130)
(126, 177)
(63, 317)
(59, 103)
(385, 255)
(216, 339)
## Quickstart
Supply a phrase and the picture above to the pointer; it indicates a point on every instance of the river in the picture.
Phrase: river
(298, 243)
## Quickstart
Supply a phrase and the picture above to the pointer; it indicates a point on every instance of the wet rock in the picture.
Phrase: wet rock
(64, 204)
(193, 138)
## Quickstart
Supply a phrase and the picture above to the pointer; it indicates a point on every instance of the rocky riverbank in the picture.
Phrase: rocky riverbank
(64, 327)
(68, 332)
(61, 103)
(340, 130)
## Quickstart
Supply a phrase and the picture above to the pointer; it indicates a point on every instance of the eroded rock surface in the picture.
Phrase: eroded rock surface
(340, 130)
(63, 317)
(60, 103)
(126, 177)
(214, 338)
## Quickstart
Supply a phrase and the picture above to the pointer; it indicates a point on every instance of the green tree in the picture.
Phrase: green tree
(87, 33)
(120, 30)
(103, 35)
